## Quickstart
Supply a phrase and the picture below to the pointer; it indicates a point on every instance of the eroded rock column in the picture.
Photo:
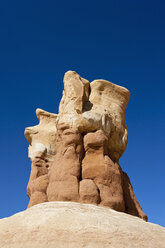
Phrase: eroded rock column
(75, 154)
(65, 172)
(38, 182)
(104, 173)
(42, 139)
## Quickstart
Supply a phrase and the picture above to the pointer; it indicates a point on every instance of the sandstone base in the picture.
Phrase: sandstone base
(68, 224)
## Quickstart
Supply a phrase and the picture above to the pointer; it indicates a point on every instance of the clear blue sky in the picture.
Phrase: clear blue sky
(120, 41)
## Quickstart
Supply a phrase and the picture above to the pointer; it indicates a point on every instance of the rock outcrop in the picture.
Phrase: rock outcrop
(75, 154)
(69, 224)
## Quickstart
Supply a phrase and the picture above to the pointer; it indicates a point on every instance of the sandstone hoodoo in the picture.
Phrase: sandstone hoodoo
(75, 153)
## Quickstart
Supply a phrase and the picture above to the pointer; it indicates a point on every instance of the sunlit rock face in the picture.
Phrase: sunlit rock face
(75, 153)
(94, 106)
(42, 137)
(71, 224)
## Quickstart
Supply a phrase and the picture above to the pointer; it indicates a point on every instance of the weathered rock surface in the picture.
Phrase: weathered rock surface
(67, 224)
(106, 175)
(38, 182)
(64, 174)
(94, 106)
(75, 154)
(42, 137)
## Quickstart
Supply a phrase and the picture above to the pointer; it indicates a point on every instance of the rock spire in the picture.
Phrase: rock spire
(75, 153)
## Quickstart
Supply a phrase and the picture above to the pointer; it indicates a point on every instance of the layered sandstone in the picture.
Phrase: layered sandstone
(75, 154)
(69, 224)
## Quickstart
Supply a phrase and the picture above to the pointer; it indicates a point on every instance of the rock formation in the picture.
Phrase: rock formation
(75, 154)
(64, 174)
(69, 224)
